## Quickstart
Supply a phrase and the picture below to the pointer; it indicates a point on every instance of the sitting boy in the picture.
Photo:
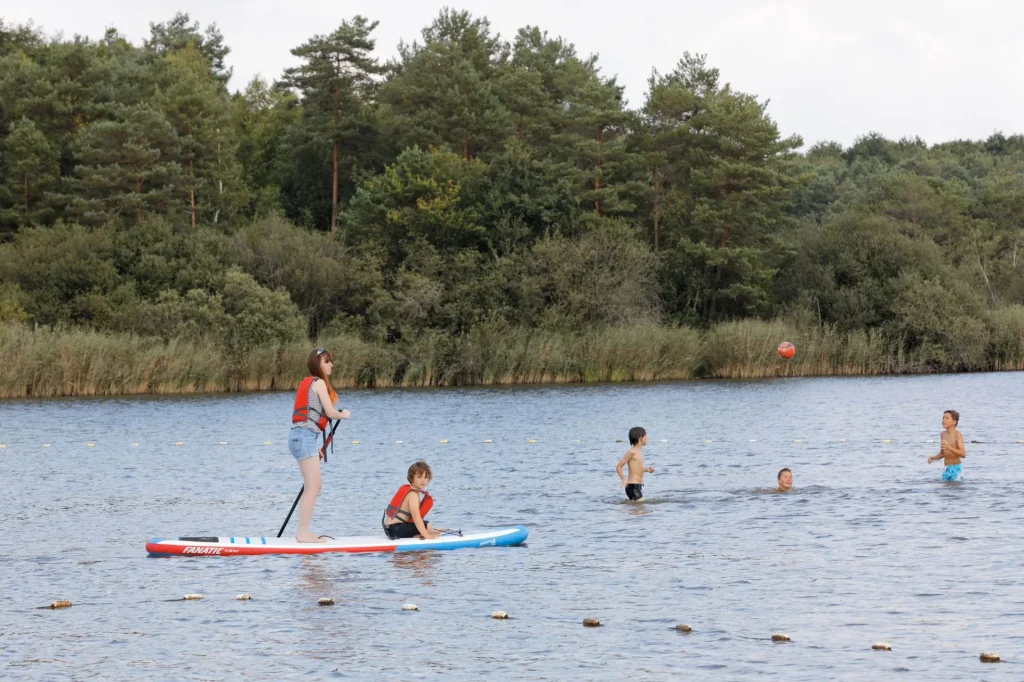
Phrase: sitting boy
(404, 516)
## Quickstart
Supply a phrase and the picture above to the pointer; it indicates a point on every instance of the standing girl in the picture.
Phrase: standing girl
(314, 406)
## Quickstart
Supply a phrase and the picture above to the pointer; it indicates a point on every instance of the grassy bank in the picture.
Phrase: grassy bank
(76, 362)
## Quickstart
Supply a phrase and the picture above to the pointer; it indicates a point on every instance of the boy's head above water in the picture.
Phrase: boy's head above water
(953, 416)
(785, 479)
(419, 474)
(636, 434)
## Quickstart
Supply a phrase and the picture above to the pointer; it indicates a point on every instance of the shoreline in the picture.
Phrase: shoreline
(52, 363)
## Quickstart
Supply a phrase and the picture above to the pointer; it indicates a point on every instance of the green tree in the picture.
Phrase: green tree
(180, 32)
(443, 92)
(129, 167)
(190, 98)
(336, 84)
(30, 170)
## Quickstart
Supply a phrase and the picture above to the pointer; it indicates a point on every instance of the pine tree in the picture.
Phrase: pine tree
(336, 84)
(128, 167)
(191, 100)
(444, 92)
(180, 32)
(29, 171)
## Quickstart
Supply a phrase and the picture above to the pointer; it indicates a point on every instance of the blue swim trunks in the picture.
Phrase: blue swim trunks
(953, 473)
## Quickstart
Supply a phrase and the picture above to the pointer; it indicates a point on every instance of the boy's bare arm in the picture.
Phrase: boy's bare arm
(622, 462)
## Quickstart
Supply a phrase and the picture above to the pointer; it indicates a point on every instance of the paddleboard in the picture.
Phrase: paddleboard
(239, 546)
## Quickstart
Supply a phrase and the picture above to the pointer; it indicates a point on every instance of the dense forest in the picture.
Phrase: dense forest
(478, 209)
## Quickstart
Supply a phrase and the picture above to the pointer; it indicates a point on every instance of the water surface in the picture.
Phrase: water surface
(868, 547)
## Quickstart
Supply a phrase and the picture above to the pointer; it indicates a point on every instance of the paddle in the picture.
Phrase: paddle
(452, 532)
(327, 441)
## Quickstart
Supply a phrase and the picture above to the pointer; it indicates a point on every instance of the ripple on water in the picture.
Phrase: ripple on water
(868, 546)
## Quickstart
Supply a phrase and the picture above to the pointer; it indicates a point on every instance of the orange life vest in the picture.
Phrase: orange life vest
(394, 509)
(301, 410)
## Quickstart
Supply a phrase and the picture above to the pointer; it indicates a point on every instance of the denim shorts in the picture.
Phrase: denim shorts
(303, 443)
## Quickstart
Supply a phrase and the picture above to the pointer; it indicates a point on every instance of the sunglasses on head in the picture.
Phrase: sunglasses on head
(320, 351)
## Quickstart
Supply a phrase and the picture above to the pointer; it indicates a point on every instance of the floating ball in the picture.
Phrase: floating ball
(786, 350)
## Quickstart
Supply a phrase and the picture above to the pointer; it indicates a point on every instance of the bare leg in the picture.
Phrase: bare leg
(310, 468)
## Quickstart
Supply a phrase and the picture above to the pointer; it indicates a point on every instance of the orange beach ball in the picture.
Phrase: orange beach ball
(786, 350)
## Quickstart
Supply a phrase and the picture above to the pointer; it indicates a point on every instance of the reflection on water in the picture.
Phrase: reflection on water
(870, 546)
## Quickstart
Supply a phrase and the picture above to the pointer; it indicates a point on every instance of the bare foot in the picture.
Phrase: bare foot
(310, 538)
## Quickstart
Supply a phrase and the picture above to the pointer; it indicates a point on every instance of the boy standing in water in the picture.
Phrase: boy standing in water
(634, 457)
(951, 447)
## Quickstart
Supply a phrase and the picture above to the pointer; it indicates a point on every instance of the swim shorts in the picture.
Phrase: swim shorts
(635, 491)
(953, 473)
(401, 531)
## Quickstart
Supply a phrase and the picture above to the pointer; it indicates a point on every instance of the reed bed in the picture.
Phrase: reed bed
(47, 362)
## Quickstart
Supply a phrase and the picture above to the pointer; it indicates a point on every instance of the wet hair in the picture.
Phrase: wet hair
(635, 434)
(313, 365)
(954, 414)
(785, 469)
(418, 468)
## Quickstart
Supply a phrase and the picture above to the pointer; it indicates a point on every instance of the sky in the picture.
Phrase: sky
(939, 70)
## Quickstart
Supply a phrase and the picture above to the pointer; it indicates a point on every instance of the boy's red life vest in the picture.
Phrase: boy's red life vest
(395, 511)
(301, 410)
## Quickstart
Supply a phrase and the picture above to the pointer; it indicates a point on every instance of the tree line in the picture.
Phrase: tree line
(474, 181)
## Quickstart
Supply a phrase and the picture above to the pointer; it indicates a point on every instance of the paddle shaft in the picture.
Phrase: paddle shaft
(327, 441)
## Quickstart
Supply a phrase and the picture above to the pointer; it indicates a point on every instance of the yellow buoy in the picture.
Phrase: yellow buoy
(179, 443)
(708, 440)
(886, 440)
(488, 441)
(444, 440)
(798, 440)
(90, 445)
(266, 442)
(355, 442)
(531, 441)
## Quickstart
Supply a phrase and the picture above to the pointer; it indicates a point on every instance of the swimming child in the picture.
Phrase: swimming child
(635, 458)
(785, 480)
(951, 447)
(404, 516)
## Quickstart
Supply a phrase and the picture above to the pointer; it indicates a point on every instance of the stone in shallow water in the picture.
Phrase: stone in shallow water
(881, 646)
(410, 607)
(325, 601)
(499, 615)
(682, 627)
(192, 597)
(591, 622)
(780, 637)
(242, 597)
(989, 657)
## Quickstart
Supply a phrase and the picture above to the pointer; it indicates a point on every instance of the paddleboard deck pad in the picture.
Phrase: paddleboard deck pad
(241, 546)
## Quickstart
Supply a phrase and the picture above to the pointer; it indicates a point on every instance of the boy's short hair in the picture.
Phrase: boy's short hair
(785, 469)
(635, 434)
(418, 468)
(954, 414)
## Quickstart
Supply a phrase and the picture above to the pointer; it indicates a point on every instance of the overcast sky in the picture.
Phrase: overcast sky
(938, 69)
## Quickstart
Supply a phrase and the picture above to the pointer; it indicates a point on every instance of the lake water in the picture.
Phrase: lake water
(870, 546)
